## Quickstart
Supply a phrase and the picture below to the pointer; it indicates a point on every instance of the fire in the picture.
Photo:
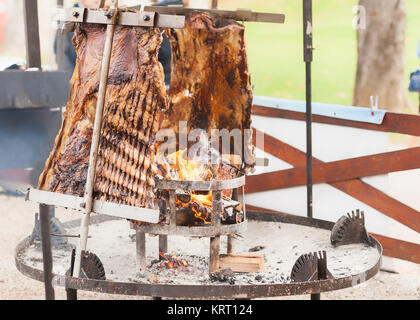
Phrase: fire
(173, 262)
(187, 169)
(182, 168)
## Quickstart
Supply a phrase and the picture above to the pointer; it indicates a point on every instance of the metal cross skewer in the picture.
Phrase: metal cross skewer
(90, 181)
(308, 57)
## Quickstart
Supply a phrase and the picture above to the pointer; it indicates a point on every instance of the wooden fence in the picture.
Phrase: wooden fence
(345, 175)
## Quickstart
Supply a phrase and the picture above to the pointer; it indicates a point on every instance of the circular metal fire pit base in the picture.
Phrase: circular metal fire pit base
(201, 231)
(280, 228)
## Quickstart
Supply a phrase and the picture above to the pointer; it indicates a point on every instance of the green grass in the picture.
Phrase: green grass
(275, 51)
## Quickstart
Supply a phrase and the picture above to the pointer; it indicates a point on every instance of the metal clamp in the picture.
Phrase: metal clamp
(148, 18)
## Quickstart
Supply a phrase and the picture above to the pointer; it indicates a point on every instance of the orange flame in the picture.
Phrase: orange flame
(191, 170)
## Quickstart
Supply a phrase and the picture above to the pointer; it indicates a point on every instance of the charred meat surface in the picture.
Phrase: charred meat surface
(135, 101)
(210, 81)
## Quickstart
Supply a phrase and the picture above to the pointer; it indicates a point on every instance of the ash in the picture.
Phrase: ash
(280, 244)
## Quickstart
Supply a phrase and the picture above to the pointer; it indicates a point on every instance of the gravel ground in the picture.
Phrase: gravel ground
(17, 219)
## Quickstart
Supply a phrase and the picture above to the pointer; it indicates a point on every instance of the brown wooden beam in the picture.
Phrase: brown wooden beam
(381, 202)
(355, 188)
(399, 249)
(281, 149)
(335, 171)
(393, 122)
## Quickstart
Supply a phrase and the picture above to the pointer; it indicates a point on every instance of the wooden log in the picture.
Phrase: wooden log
(185, 217)
(184, 197)
(232, 211)
(242, 262)
(399, 249)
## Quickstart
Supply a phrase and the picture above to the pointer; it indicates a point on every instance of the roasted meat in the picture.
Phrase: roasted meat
(135, 100)
(210, 82)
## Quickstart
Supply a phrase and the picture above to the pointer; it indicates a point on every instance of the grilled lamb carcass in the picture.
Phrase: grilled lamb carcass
(135, 100)
(210, 81)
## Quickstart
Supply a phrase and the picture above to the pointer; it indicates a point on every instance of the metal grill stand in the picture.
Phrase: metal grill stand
(213, 230)
(154, 17)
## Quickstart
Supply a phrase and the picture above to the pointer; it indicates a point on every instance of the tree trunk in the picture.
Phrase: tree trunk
(381, 60)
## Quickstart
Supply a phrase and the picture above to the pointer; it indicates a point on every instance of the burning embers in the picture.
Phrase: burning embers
(172, 261)
(194, 208)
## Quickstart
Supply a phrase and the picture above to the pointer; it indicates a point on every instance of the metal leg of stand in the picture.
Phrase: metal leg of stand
(44, 217)
(214, 254)
(230, 245)
(163, 244)
(308, 57)
(230, 240)
(72, 293)
(316, 296)
(141, 252)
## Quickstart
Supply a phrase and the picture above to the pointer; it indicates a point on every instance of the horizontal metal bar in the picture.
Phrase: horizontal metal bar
(323, 109)
(201, 231)
(137, 19)
(25, 89)
(201, 185)
(67, 235)
(239, 14)
(101, 207)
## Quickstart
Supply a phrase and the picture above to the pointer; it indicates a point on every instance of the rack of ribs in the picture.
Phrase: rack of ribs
(135, 100)
(210, 84)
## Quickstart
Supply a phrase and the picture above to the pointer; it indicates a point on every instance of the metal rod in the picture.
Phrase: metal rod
(215, 241)
(214, 254)
(230, 245)
(307, 48)
(60, 39)
(243, 202)
(230, 240)
(217, 207)
(141, 251)
(101, 207)
(44, 217)
(172, 208)
(72, 293)
(214, 4)
(90, 181)
(239, 14)
(66, 235)
(33, 50)
(163, 244)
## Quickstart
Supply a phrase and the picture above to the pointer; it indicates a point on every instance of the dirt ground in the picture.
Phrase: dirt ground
(17, 220)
